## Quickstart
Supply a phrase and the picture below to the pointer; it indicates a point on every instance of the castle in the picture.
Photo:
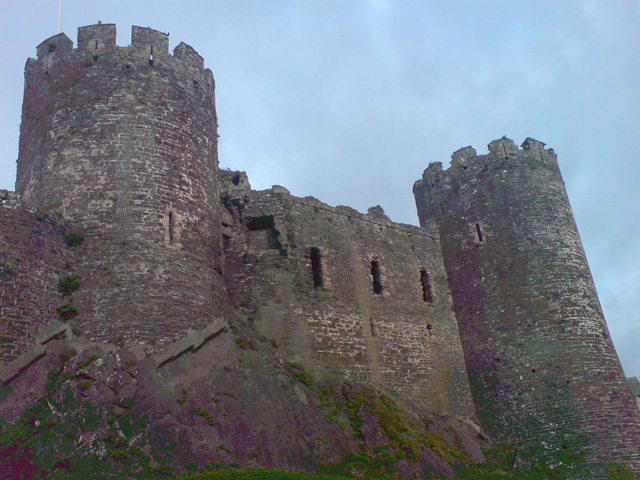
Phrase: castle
(123, 226)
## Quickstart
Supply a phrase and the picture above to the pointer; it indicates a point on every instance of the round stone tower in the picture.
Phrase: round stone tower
(123, 142)
(542, 367)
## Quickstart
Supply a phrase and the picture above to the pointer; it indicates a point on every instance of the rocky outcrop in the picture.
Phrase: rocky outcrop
(222, 395)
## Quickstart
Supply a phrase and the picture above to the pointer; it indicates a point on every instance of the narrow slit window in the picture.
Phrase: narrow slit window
(172, 226)
(427, 286)
(479, 233)
(151, 56)
(377, 277)
(316, 267)
(96, 45)
(506, 155)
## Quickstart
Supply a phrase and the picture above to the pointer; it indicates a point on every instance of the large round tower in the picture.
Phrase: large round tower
(542, 367)
(123, 142)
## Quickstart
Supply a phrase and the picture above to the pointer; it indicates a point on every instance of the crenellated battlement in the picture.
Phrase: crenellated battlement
(97, 41)
(504, 154)
(98, 38)
(189, 55)
(58, 44)
(149, 41)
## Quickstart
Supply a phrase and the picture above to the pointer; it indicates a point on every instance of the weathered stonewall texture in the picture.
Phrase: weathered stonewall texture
(123, 142)
(542, 367)
(33, 257)
(306, 272)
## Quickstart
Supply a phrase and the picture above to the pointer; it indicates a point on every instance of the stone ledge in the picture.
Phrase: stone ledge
(192, 342)
(9, 372)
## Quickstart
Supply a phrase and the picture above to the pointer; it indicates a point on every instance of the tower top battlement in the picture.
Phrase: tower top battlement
(466, 164)
(100, 39)
(97, 37)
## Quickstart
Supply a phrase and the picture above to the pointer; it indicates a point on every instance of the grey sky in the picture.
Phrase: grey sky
(349, 101)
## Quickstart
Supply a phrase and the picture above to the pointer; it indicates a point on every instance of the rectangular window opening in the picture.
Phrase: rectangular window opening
(479, 232)
(151, 56)
(172, 227)
(427, 287)
(261, 233)
(316, 267)
(261, 223)
(377, 277)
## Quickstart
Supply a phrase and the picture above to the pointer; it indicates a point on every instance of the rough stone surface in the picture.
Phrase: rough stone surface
(97, 410)
(542, 366)
(33, 258)
(322, 308)
(123, 142)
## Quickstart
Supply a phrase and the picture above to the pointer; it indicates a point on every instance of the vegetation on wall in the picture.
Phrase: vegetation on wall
(66, 311)
(68, 285)
(73, 239)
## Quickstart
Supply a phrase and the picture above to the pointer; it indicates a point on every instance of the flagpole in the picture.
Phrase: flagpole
(59, 16)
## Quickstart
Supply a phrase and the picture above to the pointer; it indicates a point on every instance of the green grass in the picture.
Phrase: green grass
(260, 473)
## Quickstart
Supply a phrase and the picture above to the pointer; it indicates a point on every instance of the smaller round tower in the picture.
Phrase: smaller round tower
(542, 366)
(123, 142)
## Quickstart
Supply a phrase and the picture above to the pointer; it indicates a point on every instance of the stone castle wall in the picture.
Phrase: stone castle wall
(339, 290)
(33, 259)
(541, 363)
(123, 141)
